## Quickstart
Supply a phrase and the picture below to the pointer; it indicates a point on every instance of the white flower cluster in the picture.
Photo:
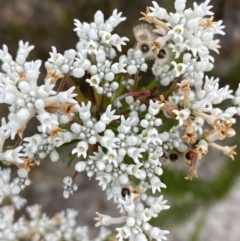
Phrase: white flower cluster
(119, 143)
(186, 30)
(62, 226)
(94, 55)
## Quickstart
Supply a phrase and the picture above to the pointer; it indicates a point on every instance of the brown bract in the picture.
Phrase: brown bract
(28, 164)
(55, 132)
(151, 19)
(168, 108)
(53, 76)
(207, 23)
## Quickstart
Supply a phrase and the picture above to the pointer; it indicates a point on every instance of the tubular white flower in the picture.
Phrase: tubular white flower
(128, 203)
(147, 214)
(154, 107)
(134, 153)
(123, 233)
(67, 96)
(12, 156)
(109, 116)
(182, 115)
(111, 157)
(158, 234)
(104, 180)
(47, 121)
(81, 149)
(84, 111)
(159, 205)
(153, 136)
(156, 184)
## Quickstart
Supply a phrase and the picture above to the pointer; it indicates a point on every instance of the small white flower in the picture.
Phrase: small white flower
(12, 156)
(109, 116)
(180, 68)
(94, 81)
(104, 180)
(158, 234)
(84, 110)
(118, 67)
(154, 107)
(111, 157)
(81, 149)
(159, 205)
(128, 203)
(134, 153)
(182, 115)
(177, 32)
(123, 233)
(153, 137)
(156, 184)
(147, 214)
(116, 18)
(47, 121)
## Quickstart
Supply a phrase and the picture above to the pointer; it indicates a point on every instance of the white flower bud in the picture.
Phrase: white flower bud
(131, 222)
(75, 128)
(207, 36)
(123, 179)
(192, 23)
(93, 69)
(144, 67)
(27, 182)
(39, 104)
(93, 35)
(158, 171)
(65, 68)
(23, 114)
(92, 140)
(66, 194)
(15, 190)
(54, 156)
(180, 5)
(78, 72)
(114, 86)
(132, 69)
(144, 123)
(98, 17)
(24, 87)
(122, 152)
(22, 173)
(146, 227)
(80, 166)
(109, 76)
(100, 165)
(101, 56)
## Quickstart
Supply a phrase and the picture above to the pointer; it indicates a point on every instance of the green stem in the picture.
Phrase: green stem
(80, 97)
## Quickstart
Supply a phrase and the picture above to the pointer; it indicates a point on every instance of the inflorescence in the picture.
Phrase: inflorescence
(118, 125)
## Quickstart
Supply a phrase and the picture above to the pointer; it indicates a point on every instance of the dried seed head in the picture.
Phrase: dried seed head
(173, 157)
(163, 55)
(143, 33)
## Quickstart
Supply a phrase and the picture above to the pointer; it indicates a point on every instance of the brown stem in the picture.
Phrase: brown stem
(74, 175)
(173, 87)
(135, 82)
(62, 83)
(92, 96)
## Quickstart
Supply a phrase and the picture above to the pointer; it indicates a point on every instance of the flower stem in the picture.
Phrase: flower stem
(80, 97)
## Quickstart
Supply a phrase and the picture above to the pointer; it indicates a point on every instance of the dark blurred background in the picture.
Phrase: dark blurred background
(206, 208)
